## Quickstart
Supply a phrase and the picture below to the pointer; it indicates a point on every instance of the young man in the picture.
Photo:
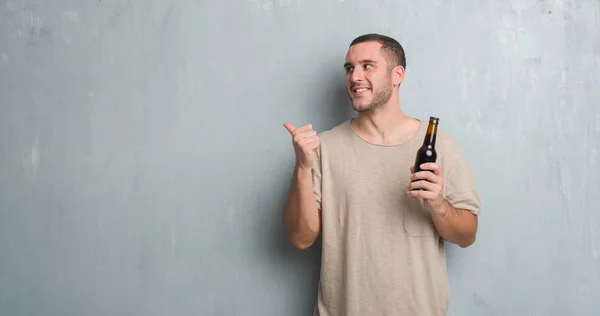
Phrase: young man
(383, 251)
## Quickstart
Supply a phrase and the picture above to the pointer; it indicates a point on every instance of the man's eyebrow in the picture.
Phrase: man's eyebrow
(364, 61)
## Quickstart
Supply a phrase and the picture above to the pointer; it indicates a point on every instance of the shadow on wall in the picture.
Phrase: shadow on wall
(333, 107)
(301, 267)
(332, 110)
(338, 107)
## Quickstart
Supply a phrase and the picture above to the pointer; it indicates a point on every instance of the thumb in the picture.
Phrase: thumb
(289, 127)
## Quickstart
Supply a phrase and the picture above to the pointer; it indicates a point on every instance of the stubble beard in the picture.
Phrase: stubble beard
(380, 98)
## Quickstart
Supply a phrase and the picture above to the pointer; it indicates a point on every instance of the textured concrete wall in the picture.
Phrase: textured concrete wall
(143, 161)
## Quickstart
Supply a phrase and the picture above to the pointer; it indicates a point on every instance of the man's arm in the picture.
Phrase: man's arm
(301, 215)
(455, 225)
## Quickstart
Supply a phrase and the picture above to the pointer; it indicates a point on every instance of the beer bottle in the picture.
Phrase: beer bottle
(427, 151)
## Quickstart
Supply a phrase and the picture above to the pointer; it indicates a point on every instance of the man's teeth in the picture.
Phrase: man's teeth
(361, 90)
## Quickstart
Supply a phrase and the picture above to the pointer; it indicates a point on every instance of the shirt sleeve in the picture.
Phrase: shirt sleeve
(460, 189)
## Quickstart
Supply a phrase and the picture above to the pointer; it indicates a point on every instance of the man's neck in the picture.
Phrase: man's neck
(387, 125)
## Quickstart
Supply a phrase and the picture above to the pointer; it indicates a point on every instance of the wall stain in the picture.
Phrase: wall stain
(31, 162)
(484, 308)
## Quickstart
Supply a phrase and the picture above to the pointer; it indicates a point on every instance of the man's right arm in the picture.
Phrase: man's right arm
(302, 216)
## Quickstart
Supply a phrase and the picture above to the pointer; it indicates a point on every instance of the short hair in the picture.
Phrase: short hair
(389, 46)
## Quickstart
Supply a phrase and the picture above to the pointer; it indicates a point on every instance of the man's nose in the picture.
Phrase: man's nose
(357, 75)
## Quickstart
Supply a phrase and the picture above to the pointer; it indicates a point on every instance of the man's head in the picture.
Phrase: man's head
(374, 67)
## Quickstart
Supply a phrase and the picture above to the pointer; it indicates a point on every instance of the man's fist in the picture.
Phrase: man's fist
(306, 142)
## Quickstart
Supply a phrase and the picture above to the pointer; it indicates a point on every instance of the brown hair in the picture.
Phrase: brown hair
(390, 47)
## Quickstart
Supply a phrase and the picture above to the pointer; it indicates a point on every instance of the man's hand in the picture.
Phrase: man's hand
(431, 181)
(455, 225)
(306, 142)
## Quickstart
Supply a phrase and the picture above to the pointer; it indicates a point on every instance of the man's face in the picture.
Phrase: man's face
(368, 79)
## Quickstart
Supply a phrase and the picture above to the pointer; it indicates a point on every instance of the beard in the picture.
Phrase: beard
(380, 97)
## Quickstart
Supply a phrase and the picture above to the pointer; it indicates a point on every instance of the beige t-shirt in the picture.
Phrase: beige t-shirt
(381, 252)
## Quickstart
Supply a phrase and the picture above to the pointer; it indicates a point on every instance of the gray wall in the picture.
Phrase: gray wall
(143, 161)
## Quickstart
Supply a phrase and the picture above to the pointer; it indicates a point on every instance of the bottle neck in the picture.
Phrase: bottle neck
(430, 136)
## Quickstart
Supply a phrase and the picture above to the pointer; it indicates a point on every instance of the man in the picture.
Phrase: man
(383, 241)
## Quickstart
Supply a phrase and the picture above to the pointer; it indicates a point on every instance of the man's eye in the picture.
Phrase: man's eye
(367, 66)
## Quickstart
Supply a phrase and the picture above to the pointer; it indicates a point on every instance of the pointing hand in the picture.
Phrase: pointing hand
(306, 142)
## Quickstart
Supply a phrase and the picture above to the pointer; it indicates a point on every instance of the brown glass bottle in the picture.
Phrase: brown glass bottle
(427, 151)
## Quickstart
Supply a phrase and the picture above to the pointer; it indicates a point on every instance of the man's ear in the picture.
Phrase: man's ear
(397, 75)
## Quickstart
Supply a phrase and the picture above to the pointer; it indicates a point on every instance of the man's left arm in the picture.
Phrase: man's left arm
(455, 224)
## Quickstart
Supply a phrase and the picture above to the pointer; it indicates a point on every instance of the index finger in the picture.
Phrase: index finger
(431, 166)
